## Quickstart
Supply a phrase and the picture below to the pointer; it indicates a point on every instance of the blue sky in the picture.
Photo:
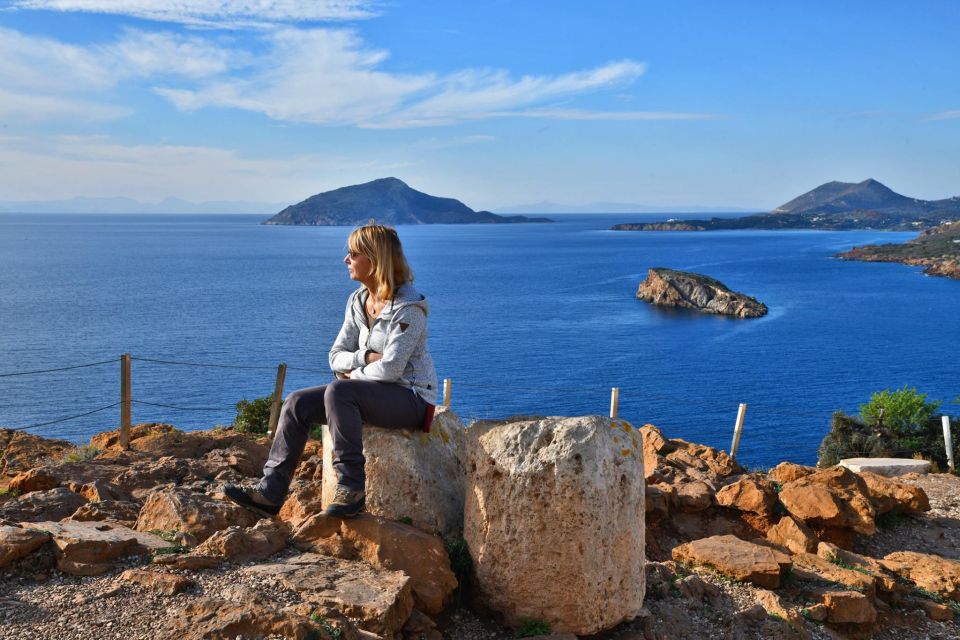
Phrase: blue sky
(733, 104)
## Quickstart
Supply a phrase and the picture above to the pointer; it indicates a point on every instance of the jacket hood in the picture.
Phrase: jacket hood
(405, 296)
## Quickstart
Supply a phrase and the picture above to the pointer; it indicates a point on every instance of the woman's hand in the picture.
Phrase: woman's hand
(372, 356)
(343, 375)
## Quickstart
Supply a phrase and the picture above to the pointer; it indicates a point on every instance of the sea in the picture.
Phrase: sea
(525, 319)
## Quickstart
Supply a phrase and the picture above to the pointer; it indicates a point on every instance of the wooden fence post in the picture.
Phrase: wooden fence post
(125, 401)
(277, 399)
(737, 430)
(948, 442)
(614, 401)
(446, 391)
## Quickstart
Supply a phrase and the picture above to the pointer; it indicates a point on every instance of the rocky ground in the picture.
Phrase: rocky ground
(101, 542)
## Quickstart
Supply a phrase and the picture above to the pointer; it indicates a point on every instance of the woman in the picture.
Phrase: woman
(385, 376)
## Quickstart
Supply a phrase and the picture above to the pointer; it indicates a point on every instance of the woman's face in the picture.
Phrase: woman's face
(359, 265)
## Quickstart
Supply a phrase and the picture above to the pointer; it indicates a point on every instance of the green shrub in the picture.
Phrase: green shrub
(899, 423)
(253, 416)
(81, 454)
(532, 628)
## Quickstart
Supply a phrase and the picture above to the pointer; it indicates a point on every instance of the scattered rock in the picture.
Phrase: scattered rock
(90, 548)
(849, 607)
(37, 506)
(187, 561)
(788, 472)
(933, 573)
(890, 496)
(937, 611)
(102, 491)
(809, 567)
(412, 475)
(16, 542)
(794, 535)
(736, 558)
(692, 496)
(239, 544)
(304, 499)
(37, 479)
(386, 545)
(835, 498)
(380, 600)
(555, 520)
(755, 495)
(217, 618)
(167, 584)
(120, 511)
(21, 451)
(176, 509)
(776, 606)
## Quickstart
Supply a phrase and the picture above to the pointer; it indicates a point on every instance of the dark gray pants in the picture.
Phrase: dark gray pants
(344, 405)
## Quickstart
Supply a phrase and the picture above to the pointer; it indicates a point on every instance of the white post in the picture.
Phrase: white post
(446, 392)
(737, 430)
(614, 401)
(948, 441)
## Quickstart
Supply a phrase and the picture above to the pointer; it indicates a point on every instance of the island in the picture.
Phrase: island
(937, 249)
(388, 201)
(834, 206)
(683, 289)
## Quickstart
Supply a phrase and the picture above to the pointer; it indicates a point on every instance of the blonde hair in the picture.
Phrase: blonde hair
(381, 245)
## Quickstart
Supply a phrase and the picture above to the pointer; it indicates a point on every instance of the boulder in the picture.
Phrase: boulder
(933, 573)
(888, 495)
(37, 506)
(101, 491)
(177, 509)
(304, 499)
(885, 581)
(736, 558)
(793, 535)
(555, 520)
(774, 605)
(753, 495)
(835, 498)
(671, 288)
(187, 561)
(16, 542)
(889, 467)
(385, 544)
(412, 475)
(378, 599)
(143, 476)
(168, 584)
(90, 548)
(239, 544)
(653, 443)
(788, 472)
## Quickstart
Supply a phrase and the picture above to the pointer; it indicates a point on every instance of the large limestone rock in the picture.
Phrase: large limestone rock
(90, 548)
(385, 544)
(788, 472)
(834, 497)
(670, 288)
(412, 475)
(176, 509)
(378, 599)
(555, 520)
(21, 451)
(739, 559)
(889, 467)
(793, 535)
(206, 618)
(754, 495)
(304, 499)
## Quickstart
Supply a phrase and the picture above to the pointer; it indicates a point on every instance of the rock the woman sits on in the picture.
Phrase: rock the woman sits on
(384, 376)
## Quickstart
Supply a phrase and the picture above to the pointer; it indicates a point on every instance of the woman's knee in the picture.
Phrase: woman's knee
(339, 389)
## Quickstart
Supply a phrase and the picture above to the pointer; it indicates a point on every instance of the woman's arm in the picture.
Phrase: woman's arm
(345, 354)
(406, 329)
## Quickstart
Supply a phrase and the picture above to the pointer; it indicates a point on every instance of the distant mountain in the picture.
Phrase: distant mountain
(615, 207)
(129, 205)
(389, 201)
(833, 206)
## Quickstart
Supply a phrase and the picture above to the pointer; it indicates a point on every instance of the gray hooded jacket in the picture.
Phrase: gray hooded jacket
(399, 333)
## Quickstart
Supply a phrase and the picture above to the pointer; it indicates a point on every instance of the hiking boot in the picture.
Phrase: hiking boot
(251, 499)
(346, 502)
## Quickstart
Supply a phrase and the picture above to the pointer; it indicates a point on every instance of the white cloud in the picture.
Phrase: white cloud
(27, 108)
(330, 76)
(945, 115)
(97, 166)
(216, 13)
(46, 65)
(144, 53)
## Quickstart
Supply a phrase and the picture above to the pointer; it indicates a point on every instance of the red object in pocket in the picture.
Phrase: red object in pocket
(428, 418)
